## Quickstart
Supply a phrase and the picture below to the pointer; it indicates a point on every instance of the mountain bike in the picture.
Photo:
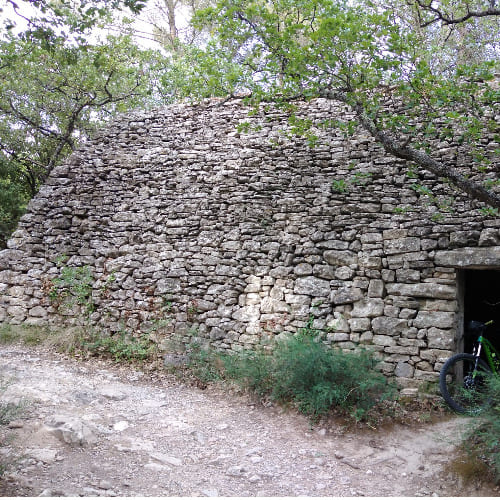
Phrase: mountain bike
(463, 378)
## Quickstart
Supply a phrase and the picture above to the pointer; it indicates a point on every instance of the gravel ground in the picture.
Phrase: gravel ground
(90, 428)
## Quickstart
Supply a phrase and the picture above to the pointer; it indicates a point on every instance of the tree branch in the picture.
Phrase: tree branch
(492, 10)
(405, 152)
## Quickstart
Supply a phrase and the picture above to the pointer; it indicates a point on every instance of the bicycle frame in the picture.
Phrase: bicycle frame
(492, 355)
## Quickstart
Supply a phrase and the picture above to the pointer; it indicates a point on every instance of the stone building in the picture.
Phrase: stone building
(206, 222)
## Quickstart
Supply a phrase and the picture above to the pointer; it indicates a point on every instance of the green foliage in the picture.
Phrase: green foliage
(316, 377)
(305, 372)
(13, 199)
(340, 186)
(484, 437)
(73, 287)
(27, 334)
(408, 84)
(53, 95)
(122, 347)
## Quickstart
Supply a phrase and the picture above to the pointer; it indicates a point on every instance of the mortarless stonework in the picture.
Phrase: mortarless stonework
(193, 229)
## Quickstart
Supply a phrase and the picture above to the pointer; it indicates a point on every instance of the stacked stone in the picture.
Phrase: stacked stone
(192, 228)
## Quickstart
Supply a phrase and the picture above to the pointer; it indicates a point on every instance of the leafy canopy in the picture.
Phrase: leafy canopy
(408, 88)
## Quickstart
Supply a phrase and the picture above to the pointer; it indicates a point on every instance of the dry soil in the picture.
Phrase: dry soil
(91, 428)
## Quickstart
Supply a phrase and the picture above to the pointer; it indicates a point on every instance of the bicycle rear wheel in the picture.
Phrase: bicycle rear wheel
(462, 383)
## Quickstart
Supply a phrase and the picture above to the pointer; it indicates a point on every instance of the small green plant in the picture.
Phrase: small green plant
(340, 186)
(422, 190)
(361, 178)
(483, 438)
(27, 334)
(489, 211)
(73, 287)
(402, 210)
(121, 346)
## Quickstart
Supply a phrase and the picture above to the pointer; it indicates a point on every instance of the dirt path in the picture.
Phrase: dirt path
(92, 429)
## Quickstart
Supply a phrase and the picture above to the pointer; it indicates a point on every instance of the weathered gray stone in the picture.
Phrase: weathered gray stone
(70, 430)
(434, 290)
(388, 326)
(346, 295)
(359, 324)
(404, 370)
(368, 308)
(313, 286)
(440, 339)
(478, 258)
(428, 319)
(402, 245)
(376, 288)
(340, 257)
(489, 237)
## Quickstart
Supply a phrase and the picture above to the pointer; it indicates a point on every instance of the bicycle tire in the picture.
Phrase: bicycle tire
(464, 393)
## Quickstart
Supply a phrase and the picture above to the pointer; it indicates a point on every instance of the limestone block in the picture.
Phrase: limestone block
(438, 319)
(407, 313)
(167, 285)
(366, 338)
(368, 308)
(384, 325)
(323, 271)
(399, 349)
(17, 313)
(247, 313)
(468, 257)
(464, 238)
(371, 238)
(440, 339)
(344, 273)
(252, 299)
(338, 337)
(390, 234)
(253, 287)
(402, 245)
(489, 237)
(370, 262)
(435, 355)
(346, 295)
(408, 275)
(340, 257)
(404, 370)
(269, 305)
(338, 323)
(425, 366)
(38, 312)
(359, 324)
(376, 288)
(429, 290)
(303, 269)
(426, 376)
(398, 260)
(383, 340)
(313, 286)
(391, 311)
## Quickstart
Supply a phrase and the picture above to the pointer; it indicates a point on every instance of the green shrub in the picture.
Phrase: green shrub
(317, 377)
(121, 347)
(485, 434)
(305, 372)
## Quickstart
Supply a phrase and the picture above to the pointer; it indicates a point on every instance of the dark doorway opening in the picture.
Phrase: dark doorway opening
(482, 303)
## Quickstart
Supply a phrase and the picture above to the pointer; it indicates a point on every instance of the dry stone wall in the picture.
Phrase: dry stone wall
(191, 227)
